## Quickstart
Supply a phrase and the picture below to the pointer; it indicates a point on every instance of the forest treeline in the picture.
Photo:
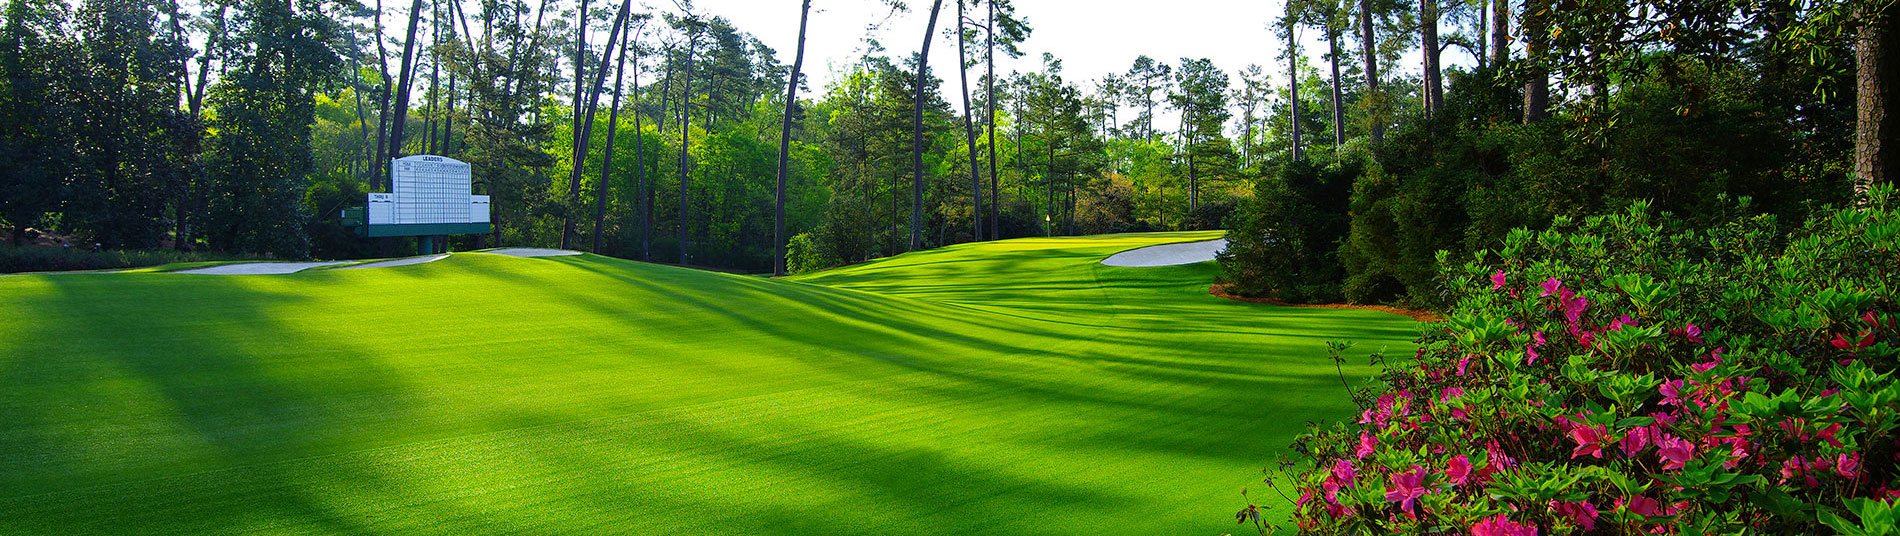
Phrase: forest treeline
(245, 126)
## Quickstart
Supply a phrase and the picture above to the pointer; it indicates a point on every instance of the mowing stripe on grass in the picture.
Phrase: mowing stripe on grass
(1015, 387)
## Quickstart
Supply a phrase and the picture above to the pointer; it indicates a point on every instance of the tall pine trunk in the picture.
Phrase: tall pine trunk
(584, 128)
(686, 138)
(1500, 33)
(917, 133)
(1876, 126)
(1339, 124)
(431, 117)
(1293, 85)
(645, 193)
(990, 121)
(1194, 189)
(785, 142)
(1429, 46)
(1536, 48)
(574, 150)
(398, 121)
(1368, 45)
(969, 129)
(607, 154)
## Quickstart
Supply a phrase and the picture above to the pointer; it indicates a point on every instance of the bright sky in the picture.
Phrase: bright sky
(1091, 37)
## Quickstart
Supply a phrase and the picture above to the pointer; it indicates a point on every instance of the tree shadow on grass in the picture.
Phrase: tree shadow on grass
(160, 408)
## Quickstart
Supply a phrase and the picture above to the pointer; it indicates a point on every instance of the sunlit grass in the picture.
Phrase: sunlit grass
(1016, 387)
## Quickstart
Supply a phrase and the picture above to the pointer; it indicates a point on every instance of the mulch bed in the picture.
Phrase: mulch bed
(1219, 289)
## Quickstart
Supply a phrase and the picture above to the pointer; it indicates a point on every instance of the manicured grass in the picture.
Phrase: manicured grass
(53, 259)
(1016, 387)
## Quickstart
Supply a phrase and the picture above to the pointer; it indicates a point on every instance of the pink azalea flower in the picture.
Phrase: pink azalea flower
(1589, 441)
(1500, 526)
(1574, 308)
(1674, 451)
(1497, 280)
(1693, 333)
(1738, 451)
(1847, 465)
(1331, 490)
(1866, 340)
(1645, 506)
(1635, 441)
(1551, 287)
(1671, 392)
(1797, 466)
(1458, 470)
(1406, 487)
(1715, 358)
(1621, 321)
(1343, 471)
(1828, 434)
(1366, 442)
(1582, 514)
(1495, 458)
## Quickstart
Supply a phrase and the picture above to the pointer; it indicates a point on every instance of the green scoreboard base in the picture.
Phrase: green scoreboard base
(422, 229)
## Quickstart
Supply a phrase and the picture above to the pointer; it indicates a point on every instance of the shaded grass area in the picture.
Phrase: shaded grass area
(1016, 387)
(53, 259)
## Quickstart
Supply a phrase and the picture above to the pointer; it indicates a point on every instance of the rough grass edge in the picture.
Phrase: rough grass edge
(1220, 289)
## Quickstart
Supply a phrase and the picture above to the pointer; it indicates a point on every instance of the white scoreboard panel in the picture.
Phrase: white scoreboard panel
(427, 190)
(430, 189)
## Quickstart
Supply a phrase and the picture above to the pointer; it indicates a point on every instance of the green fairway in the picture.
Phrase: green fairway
(1015, 387)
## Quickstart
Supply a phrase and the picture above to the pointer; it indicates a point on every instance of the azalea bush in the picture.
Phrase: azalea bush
(1632, 375)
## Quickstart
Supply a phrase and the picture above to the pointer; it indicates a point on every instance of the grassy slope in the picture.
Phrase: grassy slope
(1015, 387)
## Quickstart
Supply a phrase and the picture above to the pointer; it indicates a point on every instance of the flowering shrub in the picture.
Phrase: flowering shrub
(1629, 375)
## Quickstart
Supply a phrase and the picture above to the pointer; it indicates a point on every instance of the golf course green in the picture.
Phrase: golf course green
(1012, 387)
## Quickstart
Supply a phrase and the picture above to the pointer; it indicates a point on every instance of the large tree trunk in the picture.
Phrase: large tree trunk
(917, 133)
(1429, 46)
(1877, 127)
(607, 154)
(1536, 48)
(574, 150)
(686, 139)
(990, 121)
(1369, 48)
(1293, 86)
(584, 131)
(969, 129)
(433, 116)
(397, 120)
(1500, 33)
(448, 119)
(785, 142)
(645, 193)
(378, 166)
(1194, 190)
(666, 92)
(1339, 123)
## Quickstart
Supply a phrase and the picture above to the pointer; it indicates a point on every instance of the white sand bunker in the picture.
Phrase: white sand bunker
(397, 262)
(259, 268)
(532, 252)
(1168, 254)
